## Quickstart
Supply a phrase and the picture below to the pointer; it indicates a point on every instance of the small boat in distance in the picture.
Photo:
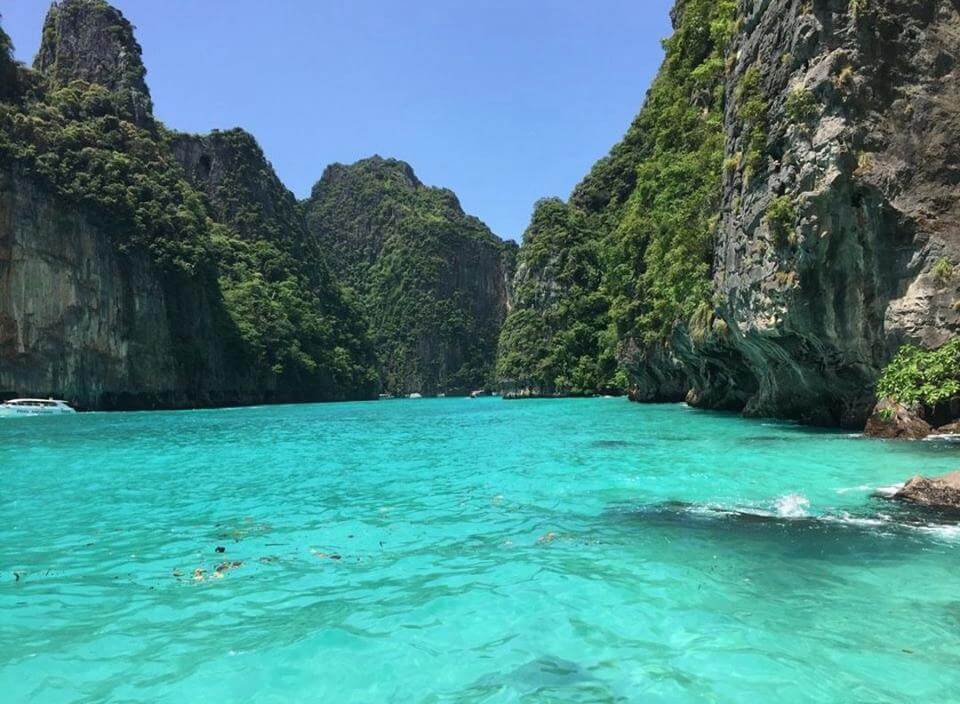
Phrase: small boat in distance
(415, 395)
(34, 407)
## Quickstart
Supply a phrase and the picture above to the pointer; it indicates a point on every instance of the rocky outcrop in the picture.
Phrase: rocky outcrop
(434, 281)
(91, 41)
(938, 492)
(895, 420)
(241, 187)
(840, 232)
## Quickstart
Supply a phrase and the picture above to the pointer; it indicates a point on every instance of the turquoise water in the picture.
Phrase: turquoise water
(540, 551)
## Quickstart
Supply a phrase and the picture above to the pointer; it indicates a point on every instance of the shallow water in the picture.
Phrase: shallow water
(538, 551)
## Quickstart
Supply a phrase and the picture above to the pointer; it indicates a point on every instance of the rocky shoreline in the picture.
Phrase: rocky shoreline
(893, 420)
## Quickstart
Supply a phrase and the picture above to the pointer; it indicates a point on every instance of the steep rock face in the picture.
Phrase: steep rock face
(549, 343)
(89, 40)
(128, 280)
(840, 233)
(783, 282)
(315, 340)
(102, 329)
(434, 281)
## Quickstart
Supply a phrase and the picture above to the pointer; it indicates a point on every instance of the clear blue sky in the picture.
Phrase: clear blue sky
(504, 101)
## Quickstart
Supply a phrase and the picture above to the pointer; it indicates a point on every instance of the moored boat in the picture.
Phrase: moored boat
(34, 407)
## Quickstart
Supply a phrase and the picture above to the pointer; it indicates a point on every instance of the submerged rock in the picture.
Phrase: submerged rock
(936, 492)
(894, 420)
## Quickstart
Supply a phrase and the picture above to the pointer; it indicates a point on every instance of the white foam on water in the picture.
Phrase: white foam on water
(849, 489)
(947, 532)
(943, 437)
(888, 490)
(847, 519)
(792, 506)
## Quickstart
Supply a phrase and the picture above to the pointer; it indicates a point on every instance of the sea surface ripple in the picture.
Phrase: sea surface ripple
(458, 550)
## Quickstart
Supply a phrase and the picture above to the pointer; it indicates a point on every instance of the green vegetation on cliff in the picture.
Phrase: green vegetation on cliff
(646, 215)
(8, 67)
(432, 280)
(79, 142)
(551, 340)
(275, 280)
(243, 246)
(923, 376)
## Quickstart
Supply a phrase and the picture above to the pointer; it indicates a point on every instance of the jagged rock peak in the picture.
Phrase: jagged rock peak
(241, 186)
(90, 40)
(377, 167)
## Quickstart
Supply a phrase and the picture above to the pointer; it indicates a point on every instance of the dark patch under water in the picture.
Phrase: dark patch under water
(882, 528)
(611, 444)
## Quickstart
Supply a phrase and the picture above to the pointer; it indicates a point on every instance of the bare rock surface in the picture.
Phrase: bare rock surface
(895, 420)
(936, 492)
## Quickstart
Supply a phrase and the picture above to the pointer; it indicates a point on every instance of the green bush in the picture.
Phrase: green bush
(801, 106)
(942, 271)
(781, 219)
(918, 375)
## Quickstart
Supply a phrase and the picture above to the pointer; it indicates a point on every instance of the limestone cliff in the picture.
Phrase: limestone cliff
(782, 283)
(131, 279)
(102, 328)
(434, 281)
(843, 243)
(91, 41)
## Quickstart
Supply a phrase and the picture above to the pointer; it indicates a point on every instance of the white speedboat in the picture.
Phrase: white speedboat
(34, 407)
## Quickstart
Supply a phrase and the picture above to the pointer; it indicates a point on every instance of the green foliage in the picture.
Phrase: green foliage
(942, 271)
(78, 142)
(553, 341)
(420, 268)
(923, 376)
(801, 106)
(752, 110)
(242, 245)
(642, 222)
(8, 68)
(782, 219)
(311, 341)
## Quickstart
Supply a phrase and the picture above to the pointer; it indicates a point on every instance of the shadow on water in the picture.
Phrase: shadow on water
(546, 678)
(881, 530)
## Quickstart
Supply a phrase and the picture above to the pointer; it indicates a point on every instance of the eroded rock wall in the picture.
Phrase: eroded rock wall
(841, 244)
